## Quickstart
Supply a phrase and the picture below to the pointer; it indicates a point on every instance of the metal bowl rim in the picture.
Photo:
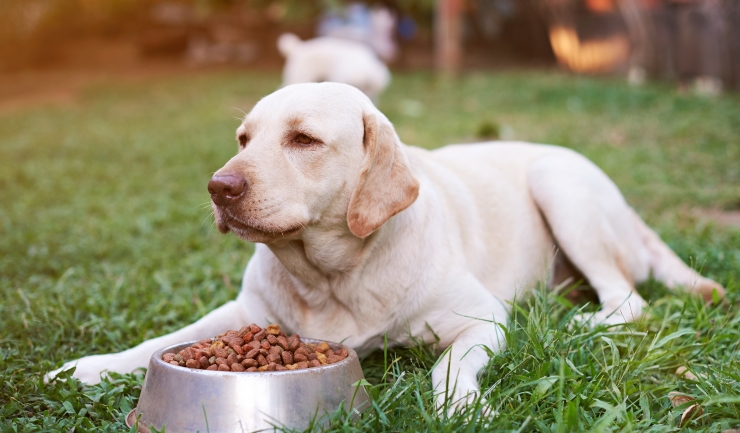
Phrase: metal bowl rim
(157, 357)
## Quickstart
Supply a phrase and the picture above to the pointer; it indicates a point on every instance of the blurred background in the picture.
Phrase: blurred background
(693, 43)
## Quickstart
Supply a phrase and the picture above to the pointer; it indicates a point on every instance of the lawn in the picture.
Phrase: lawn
(106, 239)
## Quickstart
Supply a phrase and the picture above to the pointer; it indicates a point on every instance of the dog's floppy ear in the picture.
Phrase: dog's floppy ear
(386, 185)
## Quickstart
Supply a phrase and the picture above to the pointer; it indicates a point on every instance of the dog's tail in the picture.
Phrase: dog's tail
(669, 269)
(287, 42)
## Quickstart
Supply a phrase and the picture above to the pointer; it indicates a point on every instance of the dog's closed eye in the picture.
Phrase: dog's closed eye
(303, 140)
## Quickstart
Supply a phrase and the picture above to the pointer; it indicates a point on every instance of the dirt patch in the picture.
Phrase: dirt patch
(723, 217)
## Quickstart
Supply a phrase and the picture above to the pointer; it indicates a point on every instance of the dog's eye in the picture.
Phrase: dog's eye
(303, 140)
(243, 139)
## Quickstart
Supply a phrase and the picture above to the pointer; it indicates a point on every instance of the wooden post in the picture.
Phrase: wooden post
(448, 37)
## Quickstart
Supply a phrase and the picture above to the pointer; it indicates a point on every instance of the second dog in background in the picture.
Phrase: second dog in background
(333, 59)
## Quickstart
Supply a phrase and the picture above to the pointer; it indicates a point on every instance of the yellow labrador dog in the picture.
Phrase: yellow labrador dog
(333, 59)
(360, 235)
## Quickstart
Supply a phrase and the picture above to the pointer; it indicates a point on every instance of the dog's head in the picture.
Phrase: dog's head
(312, 154)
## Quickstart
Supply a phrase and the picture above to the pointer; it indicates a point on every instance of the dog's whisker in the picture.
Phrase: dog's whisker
(240, 110)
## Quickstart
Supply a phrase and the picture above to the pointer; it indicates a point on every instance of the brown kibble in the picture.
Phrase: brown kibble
(220, 352)
(282, 342)
(236, 348)
(259, 336)
(255, 344)
(250, 363)
(186, 354)
(233, 339)
(255, 349)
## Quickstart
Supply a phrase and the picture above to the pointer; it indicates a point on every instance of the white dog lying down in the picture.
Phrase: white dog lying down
(333, 59)
(360, 235)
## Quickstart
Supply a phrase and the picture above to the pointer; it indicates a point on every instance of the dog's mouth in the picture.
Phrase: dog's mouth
(254, 232)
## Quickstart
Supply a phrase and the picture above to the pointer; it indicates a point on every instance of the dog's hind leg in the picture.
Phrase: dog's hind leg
(594, 227)
(604, 237)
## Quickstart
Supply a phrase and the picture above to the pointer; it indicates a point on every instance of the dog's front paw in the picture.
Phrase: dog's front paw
(460, 394)
(88, 368)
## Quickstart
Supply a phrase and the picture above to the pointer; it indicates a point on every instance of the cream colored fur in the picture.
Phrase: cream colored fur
(362, 236)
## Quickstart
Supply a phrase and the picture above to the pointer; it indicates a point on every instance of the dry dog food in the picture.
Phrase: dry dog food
(255, 349)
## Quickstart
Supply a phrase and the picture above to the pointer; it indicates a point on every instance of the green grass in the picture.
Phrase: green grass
(105, 241)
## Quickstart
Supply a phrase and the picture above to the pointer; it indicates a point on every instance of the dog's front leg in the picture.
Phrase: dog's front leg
(229, 316)
(455, 378)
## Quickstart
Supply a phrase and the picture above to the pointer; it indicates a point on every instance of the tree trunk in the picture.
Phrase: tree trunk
(448, 37)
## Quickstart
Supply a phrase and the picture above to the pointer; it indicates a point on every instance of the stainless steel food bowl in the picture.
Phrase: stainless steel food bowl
(189, 401)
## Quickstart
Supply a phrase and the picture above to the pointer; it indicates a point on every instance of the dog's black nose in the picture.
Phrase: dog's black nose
(224, 188)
